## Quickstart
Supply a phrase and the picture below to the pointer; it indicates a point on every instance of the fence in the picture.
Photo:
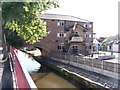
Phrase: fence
(91, 64)
(20, 75)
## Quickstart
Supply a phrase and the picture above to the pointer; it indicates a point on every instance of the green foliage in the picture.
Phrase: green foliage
(109, 40)
(13, 39)
(104, 43)
(22, 18)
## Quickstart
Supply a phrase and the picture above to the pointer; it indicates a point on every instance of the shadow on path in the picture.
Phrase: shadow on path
(7, 77)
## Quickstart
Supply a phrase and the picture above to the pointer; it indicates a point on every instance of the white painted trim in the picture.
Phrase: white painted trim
(13, 74)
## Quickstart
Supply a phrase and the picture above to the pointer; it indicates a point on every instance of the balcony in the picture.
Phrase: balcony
(77, 39)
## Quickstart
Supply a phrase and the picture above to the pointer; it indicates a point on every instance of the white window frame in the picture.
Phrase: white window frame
(87, 25)
(61, 23)
(88, 35)
(60, 34)
(61, 45)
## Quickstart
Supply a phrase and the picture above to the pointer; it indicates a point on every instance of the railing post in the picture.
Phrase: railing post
(71, 59)
(92, 65)
(115, 68)
(84, 63)
(77, 60)
(102, 66)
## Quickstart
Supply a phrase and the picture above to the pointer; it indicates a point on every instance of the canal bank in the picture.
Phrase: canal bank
(44, 78)
(72, 77)
(49, 78)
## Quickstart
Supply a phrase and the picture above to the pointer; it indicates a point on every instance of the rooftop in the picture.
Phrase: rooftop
(62, 17)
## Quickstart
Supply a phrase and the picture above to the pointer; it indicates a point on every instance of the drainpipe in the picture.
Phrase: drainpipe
(64, 50)
(0, 32)
(92, 40)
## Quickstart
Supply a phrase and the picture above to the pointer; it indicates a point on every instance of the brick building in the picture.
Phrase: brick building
(68, 34)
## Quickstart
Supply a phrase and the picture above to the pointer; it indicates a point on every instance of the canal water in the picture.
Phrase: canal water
(47, 78)
(42, 75)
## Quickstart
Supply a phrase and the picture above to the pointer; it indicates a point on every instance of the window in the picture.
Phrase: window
(90, 47)
(117, 42)
(61, 23)
(87, 25)
(76, 34)
(61, 46)
(87, 46)
(61, 34)
(110, 47)
(74, 49)
(88, 34)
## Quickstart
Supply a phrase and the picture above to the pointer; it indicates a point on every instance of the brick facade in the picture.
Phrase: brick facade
(73, 35)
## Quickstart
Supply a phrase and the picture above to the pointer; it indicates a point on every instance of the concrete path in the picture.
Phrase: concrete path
(98, 78)
(1, 73)
(1, 67)
(7, 77)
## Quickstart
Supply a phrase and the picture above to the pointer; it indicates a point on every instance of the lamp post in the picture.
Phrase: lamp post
(3, 43)
(1, 48)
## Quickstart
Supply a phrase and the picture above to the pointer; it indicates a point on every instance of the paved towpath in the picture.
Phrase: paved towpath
(1, 73)
(1, 67)
(98, 78)
(6, 76)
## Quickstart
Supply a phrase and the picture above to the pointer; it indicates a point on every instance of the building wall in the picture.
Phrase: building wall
(114, 47)
(89, 39)
(51, 42)
(81, 46)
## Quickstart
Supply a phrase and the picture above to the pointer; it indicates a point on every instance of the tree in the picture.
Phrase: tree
(13, 39)
(22, 18)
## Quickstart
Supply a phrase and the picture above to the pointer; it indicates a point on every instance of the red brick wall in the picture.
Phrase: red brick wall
(51, 42)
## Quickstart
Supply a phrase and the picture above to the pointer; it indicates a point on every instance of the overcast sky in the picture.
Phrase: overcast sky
(103, 14)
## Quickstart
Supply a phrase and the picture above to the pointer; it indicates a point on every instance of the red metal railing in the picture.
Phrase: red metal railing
(21, 81)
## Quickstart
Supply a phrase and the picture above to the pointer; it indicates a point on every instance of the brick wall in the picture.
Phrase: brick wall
(51, 42)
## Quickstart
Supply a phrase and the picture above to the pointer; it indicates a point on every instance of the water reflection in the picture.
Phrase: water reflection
(28, 62)
(44, 78)
(50, 80)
